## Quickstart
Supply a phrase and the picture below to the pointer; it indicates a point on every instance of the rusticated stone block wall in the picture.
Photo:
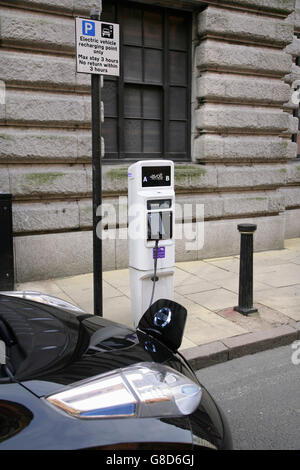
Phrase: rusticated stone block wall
(242, 120)
(291, 189)
(243, 116)
(45, 137)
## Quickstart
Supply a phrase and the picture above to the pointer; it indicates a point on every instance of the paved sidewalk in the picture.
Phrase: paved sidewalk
(209, 290)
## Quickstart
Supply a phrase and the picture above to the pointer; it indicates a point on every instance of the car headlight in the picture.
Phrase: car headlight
(141, 391)
(44, 299)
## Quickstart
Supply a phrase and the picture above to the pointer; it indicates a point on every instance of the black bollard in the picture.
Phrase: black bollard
(246, 270)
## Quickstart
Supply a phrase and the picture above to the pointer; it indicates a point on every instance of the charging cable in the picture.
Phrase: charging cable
(154, 279)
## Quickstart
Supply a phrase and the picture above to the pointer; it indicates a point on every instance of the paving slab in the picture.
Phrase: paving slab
(281, 298)
(207, 327)
(205, 270)
(81, 290)
(201, 285)
(286, 275)
(275, 257)
(292, 244)
(49, 287)
(229, 264)
(291, 312)
(187, 344)
(214, 299)
(118, 309)
(117, 278)
(232, 284)
(181, 276)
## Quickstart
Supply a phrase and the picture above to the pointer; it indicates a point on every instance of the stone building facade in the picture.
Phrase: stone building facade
(241, 155)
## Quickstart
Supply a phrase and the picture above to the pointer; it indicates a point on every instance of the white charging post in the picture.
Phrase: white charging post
(151, 217)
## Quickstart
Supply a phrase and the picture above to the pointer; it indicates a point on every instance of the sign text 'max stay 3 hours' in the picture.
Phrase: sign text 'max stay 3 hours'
(97, 47)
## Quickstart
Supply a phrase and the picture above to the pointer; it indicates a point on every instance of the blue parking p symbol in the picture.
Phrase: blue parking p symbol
(88, 28)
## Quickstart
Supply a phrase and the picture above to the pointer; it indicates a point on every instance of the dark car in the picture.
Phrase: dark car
(71, 380)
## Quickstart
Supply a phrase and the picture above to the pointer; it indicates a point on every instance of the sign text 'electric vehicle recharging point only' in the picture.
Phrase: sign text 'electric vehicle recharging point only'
(151, 217)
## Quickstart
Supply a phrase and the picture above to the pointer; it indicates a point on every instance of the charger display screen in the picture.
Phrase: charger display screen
(155, 204)
(156, 176)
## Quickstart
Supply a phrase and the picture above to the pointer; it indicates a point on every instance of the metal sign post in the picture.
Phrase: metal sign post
(97, 186)
(97, 53)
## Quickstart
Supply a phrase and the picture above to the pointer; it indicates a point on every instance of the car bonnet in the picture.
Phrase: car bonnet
(55, 348)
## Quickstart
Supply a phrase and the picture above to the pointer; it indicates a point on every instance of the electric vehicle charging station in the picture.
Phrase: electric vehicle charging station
(151, 218)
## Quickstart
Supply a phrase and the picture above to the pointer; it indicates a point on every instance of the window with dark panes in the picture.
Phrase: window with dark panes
(296, 113)
(147, 111)
(296, 137)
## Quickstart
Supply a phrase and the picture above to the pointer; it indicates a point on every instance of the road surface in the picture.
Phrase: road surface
(260, 395)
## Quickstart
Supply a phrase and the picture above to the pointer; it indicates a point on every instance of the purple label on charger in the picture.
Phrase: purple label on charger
(161, 252)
